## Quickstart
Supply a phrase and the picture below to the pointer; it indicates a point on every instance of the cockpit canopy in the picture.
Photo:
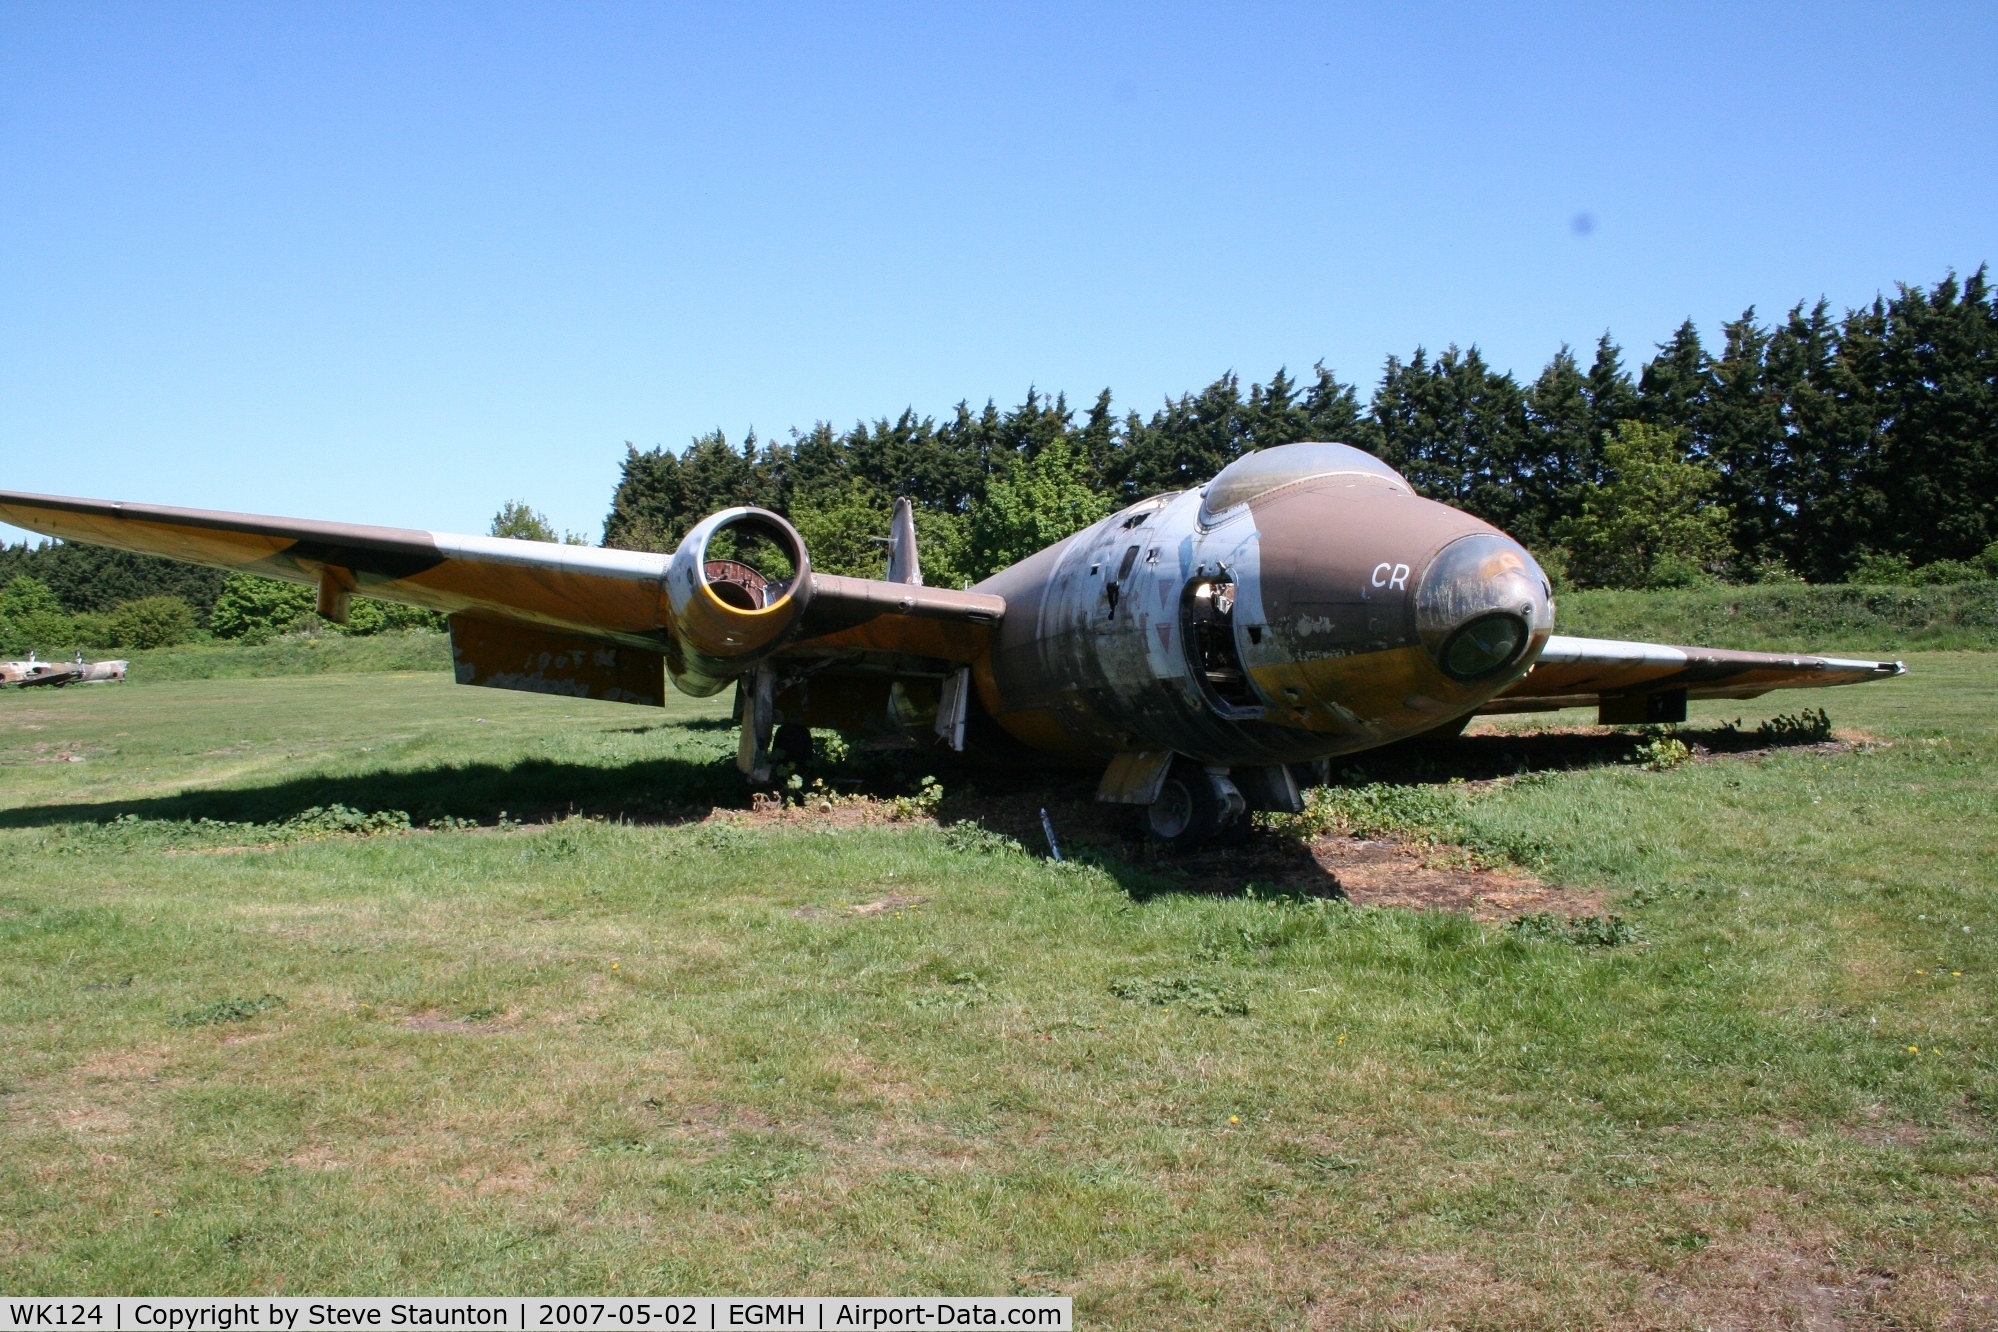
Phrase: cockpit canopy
(1256, 474)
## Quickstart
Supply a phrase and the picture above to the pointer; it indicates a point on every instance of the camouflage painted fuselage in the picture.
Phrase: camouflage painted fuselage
(1345, 590)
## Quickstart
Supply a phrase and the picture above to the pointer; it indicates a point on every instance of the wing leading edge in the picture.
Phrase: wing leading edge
(1637, 682)
(575, 597)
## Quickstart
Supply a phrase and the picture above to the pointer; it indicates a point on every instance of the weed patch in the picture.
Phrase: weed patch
(1195, 996)
(130, 832)
(1809, 727)
(225, 1010)
(1423, 815)
(1662, 753)
(1581, 931)
(967, 837)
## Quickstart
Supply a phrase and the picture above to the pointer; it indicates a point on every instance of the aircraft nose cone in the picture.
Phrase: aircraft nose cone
(1483, 606)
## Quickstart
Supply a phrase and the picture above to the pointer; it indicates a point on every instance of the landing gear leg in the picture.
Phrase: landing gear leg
(757, 708)
(1194, 805)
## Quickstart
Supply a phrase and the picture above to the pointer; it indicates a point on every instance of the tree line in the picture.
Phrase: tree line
(1861, 447)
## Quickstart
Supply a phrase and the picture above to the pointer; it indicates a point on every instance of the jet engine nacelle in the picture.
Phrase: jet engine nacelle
(731, 605)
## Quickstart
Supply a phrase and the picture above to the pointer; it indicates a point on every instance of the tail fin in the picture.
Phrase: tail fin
(904, 565)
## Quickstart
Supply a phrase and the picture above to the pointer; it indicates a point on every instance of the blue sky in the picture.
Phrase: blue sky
(400, 263)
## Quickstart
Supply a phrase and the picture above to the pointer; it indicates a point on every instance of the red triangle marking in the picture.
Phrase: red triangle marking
(1165, 635)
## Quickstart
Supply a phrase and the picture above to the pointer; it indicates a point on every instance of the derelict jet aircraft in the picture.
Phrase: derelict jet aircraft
(1204, 650)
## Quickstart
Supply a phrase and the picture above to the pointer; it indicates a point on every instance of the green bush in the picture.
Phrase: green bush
(1878, 570)
(367, 616)
(1949, 571)
(92, 630)
(31, 619)
(256, 610)
(152, 622)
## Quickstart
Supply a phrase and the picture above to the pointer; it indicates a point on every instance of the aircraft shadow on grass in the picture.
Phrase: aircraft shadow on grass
(649, 791)
(669, 791)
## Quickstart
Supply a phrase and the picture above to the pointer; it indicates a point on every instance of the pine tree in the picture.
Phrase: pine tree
(1458, 431)
(1739, 432)
(1565, 450)
(1938, 460)
(1612, 395)
(1676, 385)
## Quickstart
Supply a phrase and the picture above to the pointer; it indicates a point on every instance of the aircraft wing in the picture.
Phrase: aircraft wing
(1635, 681)
(514, 603)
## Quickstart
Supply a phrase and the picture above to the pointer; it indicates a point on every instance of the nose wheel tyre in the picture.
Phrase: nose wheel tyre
(1193, 806)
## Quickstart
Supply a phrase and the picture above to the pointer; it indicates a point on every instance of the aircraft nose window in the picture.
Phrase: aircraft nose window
(1484, 645)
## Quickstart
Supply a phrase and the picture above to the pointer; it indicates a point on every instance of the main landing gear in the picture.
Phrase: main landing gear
(1200, 804)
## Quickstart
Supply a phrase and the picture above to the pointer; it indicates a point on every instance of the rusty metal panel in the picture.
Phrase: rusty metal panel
(500, 654)
(1134, 777)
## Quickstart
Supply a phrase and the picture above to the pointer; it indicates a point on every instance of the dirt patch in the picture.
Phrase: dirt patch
(144, 1064)
(882, 905)
(1270, 863)
(1367, 873)
(1392, 874)
(829, 810)
(93, 1120)
(64, 751)
(315, 1158)
(458, 1026)
(1764, 1283)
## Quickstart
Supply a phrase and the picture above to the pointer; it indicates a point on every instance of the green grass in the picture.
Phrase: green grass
(295, 1049)
(1793, 617)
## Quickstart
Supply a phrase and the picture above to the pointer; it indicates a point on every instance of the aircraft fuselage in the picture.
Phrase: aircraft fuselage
(1331, 614)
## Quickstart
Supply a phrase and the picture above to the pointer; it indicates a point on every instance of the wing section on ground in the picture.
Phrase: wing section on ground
(1620, 677)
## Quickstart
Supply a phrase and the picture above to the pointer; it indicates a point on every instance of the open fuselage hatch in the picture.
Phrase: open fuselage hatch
(1208, 614)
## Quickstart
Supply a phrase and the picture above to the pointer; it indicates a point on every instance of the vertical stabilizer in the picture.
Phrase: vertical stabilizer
(903, 564)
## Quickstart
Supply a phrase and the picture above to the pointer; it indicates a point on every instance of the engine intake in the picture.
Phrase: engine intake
(737, 586)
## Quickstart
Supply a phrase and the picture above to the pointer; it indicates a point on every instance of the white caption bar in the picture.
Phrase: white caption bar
(265, 1314)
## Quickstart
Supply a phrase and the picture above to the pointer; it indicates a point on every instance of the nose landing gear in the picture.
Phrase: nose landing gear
(1195, 805)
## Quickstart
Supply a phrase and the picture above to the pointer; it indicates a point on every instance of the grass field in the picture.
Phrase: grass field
(296, 1049)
